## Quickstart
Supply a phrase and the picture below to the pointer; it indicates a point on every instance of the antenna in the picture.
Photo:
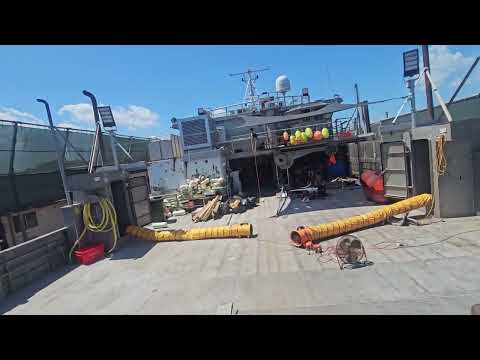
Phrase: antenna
(249, 77)
(330, 87)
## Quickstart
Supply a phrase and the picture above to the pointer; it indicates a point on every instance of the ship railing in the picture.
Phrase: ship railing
(339, 128)
(262, 103)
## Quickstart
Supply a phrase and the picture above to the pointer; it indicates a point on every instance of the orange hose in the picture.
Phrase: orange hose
(305, 234)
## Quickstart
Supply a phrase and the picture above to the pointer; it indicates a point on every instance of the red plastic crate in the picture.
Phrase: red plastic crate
(90, 254)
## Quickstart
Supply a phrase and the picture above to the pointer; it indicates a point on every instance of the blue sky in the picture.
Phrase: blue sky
(148, 85)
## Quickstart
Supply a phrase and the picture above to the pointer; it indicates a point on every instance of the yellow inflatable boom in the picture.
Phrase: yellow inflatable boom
(231, 231)
(305, 234)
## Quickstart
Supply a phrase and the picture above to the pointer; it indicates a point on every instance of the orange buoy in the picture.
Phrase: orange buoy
(317, 135)
(369, 177)
(332, 159)
(372, 180)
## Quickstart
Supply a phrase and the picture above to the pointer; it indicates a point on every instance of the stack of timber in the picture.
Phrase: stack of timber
(210, 210)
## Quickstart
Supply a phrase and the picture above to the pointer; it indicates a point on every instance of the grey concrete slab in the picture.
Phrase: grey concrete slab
(429, 279)
(281, 290)
(266, 274)
(462, 271)
(431, 306)
(468, 244)
(423, 252)
(405, 285)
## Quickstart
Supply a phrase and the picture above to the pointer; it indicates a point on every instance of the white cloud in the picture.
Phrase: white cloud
(448, 67)
(132, 116)
(16, 115)
(78, 112)
(75, 126)
(135, 116)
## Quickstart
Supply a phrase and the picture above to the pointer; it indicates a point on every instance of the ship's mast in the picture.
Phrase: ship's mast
(249, 77)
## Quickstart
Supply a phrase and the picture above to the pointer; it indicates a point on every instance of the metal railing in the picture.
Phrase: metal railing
(42, 147)
(42, 126)
(265, 102)
(339, 128)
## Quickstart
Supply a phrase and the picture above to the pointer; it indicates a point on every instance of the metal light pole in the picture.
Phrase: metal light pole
(98, 140)
(58, 150)
(428, 86)
(411, 88)
(359, 113)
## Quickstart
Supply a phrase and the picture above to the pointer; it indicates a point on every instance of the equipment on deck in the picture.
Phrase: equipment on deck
(350, 250)
(110, 196)
(231, 231)
(303, 234)
(90, 254)
(107, 223)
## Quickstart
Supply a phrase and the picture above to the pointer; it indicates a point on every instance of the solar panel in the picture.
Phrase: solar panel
(410, 63)
(107, 116)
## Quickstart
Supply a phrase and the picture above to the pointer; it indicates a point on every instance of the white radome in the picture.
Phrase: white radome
(282, 84)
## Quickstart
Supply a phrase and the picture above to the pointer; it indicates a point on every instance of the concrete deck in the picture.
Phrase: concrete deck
(266, 275)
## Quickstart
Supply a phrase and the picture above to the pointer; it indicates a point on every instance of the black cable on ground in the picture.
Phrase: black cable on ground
(400, 245)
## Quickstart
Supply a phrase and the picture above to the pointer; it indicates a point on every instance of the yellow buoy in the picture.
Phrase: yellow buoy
(325, 133)
(304, 137)
(309, 133)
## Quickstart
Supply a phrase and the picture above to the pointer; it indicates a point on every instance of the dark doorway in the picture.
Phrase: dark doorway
(300, 171)
(421, 167)
(248, 174)
(120, 203)
(3, 238)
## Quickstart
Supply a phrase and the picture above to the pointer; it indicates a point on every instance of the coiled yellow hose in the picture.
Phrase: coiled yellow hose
(440, 159)
(109, 217)
(303, 235)
(231, 231)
